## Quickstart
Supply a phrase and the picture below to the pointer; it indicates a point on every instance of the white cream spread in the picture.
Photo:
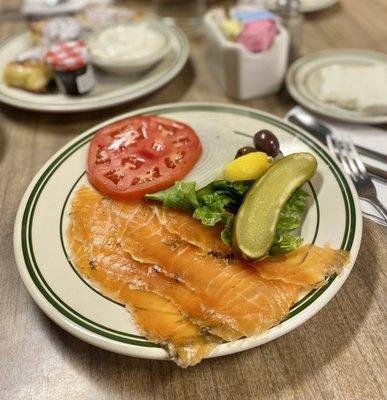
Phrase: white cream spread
(127, 42)
(355, 87)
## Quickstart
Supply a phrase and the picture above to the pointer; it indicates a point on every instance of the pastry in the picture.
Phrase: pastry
(31, 75)
(47, 32)
(97, 16)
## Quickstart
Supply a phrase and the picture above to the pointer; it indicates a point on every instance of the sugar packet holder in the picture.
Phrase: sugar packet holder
(241, 73)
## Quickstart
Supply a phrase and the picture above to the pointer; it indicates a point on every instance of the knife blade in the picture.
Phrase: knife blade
(320, 131)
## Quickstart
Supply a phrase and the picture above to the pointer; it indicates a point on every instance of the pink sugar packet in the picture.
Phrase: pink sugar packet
(258, 35)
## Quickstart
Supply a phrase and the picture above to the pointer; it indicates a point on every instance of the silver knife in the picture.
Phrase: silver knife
(321, 131)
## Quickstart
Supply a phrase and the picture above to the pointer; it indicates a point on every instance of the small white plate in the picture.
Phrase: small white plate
(302, 81)
(307, 6)
(110, 89)
(40, 243)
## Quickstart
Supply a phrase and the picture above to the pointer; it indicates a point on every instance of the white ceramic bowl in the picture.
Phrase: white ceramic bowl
(137, 62)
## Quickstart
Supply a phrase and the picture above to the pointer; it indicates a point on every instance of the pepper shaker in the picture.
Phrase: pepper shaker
(289, 12)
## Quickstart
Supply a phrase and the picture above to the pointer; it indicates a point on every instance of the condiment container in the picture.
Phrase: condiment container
(241, 73)
(289, 12)
(129, 48)
(73, 73)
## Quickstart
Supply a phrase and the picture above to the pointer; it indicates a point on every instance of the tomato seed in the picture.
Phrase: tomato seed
(181, 140)
(132, 162)
(148, 177)
(114, 175)
(102, 156)
(158, 145)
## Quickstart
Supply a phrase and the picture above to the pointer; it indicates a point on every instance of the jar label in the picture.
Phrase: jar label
(86, 81)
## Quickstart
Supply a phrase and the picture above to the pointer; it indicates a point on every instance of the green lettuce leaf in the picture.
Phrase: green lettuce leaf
(236, 189)
(213, 209)
(290, 219)
(226, 234)
(216, 202)
(219, 201)
(182, 195)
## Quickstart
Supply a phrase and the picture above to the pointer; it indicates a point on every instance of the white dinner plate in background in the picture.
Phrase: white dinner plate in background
(303, 80)
(307, 6)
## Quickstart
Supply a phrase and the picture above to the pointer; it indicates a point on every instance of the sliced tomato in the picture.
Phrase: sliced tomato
(141, 155)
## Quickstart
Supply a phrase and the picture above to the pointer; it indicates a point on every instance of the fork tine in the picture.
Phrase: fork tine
(335, 145)
(354, 160)
(347, 167)
(344, 149)
(354, 154)
(332, 145)
(346, 145)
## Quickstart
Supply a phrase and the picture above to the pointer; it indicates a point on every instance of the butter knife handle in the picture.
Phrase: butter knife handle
(321, 135)
(372, 153)
(378, 172)
(320, 131)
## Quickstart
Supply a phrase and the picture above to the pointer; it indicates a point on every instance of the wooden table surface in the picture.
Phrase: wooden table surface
(338, 354)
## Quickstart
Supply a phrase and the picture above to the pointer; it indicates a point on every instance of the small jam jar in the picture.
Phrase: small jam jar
(73, 73)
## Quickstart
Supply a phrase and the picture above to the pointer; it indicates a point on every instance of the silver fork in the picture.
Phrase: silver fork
(344, 149)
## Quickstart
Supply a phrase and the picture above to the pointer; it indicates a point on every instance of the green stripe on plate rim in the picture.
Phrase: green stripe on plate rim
(122, 337)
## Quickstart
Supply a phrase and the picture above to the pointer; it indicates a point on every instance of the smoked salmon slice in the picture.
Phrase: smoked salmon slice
(91, 225)
(99, 260)
(232, 292)
(192, 230)
(161, 322)
(184, 288)
(307, 266)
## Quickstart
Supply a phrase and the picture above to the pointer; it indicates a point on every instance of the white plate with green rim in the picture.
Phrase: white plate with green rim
(109, 90)
(303, 80)
(307, 6)
(333, 217)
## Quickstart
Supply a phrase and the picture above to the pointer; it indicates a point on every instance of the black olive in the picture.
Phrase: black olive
(267, 142)
(245, 150)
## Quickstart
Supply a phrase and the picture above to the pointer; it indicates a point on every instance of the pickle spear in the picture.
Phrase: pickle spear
(257, 218)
